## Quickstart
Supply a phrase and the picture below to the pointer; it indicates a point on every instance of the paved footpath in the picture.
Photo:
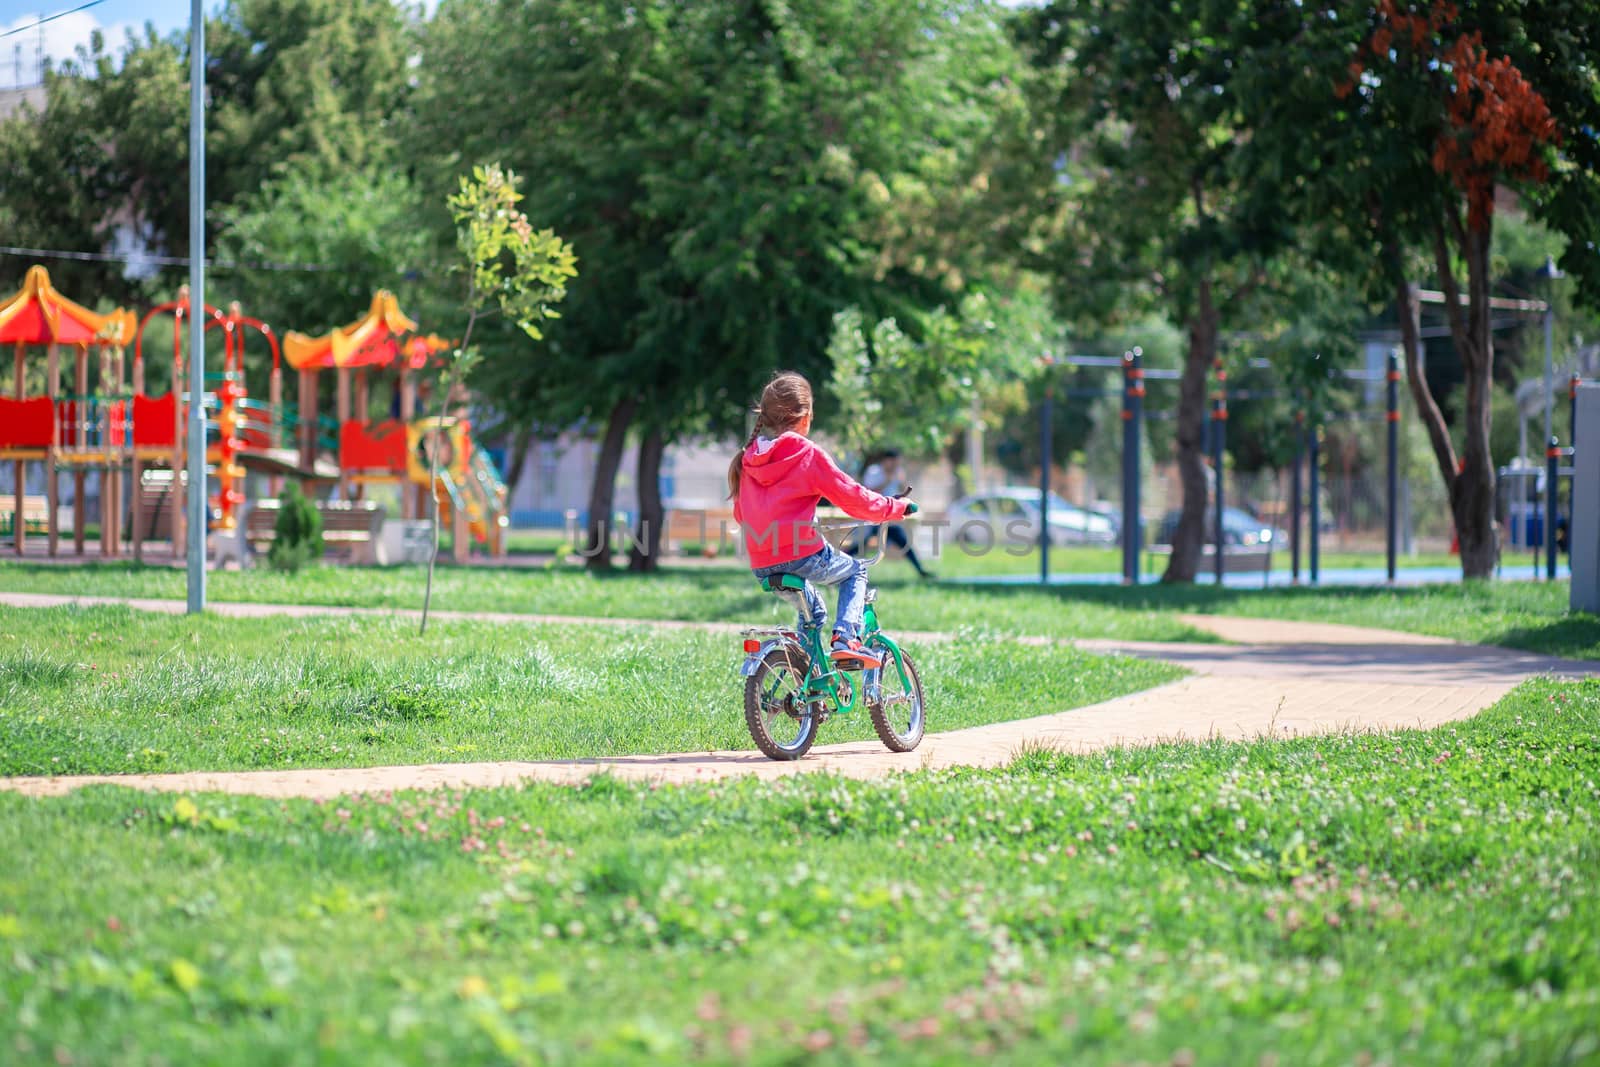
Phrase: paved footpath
(1279, 679)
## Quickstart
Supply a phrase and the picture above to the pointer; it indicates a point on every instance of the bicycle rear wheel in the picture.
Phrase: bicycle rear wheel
(781, 723)
(897, 708)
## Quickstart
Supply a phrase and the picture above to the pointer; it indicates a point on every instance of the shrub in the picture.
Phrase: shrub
(297, 535)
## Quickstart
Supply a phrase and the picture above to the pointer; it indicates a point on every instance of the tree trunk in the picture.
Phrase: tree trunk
(597, 542)
(1410, 313)
(1189, 538)
(1472, 493)
(956, 454)
(517, 461)
(645, 555)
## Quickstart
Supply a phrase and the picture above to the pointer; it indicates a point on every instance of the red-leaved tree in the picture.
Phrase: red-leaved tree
(1419, 74)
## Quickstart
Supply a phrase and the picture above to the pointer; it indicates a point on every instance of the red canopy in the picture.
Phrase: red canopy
(38, 315)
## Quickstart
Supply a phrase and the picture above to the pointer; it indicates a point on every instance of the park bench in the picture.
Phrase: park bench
(349, 527)
(1236, 559)
(156, 504)
(35, 514)
(708, 529)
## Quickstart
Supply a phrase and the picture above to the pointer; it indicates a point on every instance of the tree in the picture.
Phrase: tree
(728, 168)
(890, 388)
(356, 230)
(512, 270)
(1145, 205)
(110, 134)
(1427, 98)
(919, 390)
(302, 85)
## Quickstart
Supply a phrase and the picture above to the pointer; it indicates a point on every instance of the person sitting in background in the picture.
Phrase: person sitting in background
(884, 476)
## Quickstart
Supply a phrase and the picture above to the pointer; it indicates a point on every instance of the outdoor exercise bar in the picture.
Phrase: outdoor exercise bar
(1132, 420)
(1552, 493)
(1294, 495)
(1316, 502)
(1219, 440)
(1214, 446)
(1391, 531)
(1044, 474)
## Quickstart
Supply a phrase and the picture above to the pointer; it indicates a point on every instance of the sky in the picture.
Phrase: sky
(60, 37)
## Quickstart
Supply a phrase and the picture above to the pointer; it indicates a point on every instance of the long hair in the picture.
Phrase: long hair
(784, 403)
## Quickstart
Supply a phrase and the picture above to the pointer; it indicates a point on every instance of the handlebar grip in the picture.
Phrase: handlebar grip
(911, 507)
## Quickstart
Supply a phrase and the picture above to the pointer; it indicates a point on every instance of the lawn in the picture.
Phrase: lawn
(1417, 898)
(110, 690)
(716, 593)
(536, 541)
(1526, 615)
(957, 562)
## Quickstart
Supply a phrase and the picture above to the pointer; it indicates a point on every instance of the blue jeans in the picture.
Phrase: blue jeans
(828, 567)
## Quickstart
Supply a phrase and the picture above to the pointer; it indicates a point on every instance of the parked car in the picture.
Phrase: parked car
(1011, 516)
(1112, 513)
(1239, 527)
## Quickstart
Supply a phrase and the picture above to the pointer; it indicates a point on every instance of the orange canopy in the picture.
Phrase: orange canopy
(38, 315)
(420, 349)
(372, 341)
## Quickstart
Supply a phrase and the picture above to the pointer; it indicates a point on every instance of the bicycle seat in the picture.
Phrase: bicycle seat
(777, 583)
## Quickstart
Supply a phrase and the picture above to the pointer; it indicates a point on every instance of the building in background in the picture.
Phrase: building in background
(557, 475)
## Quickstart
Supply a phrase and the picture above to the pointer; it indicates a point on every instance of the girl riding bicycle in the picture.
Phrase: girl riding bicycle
(775, 484)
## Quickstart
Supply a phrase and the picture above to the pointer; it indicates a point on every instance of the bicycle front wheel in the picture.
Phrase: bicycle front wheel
(897, 706)
(781, 723)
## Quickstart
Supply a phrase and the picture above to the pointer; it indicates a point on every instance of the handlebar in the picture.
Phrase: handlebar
(883, 542)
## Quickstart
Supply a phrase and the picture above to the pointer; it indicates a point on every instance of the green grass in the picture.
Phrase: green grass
(109, 690)
(718, 593)
(1533, 616)
(1417, 898)
(1525, 615)
(535, 541)
(956, 562)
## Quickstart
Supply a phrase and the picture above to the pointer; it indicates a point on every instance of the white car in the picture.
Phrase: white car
(1010, 516)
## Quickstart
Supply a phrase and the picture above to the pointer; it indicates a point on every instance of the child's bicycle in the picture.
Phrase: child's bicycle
(792, 686)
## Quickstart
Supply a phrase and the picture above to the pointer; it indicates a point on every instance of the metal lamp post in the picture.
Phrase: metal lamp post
(197, 303)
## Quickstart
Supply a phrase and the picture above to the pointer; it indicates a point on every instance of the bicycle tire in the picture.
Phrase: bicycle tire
(786, 667)
(881, 710)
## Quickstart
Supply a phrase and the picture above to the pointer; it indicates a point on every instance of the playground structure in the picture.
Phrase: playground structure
(109, 428)
(88, 429)
(470, 494)
(246, 432)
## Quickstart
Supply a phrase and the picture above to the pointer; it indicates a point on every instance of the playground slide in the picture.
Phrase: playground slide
(480, 495)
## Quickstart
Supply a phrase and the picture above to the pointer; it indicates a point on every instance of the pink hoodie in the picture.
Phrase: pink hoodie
(780, 483)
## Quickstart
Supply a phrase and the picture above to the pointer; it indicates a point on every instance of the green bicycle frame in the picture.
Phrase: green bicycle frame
(825, 682)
